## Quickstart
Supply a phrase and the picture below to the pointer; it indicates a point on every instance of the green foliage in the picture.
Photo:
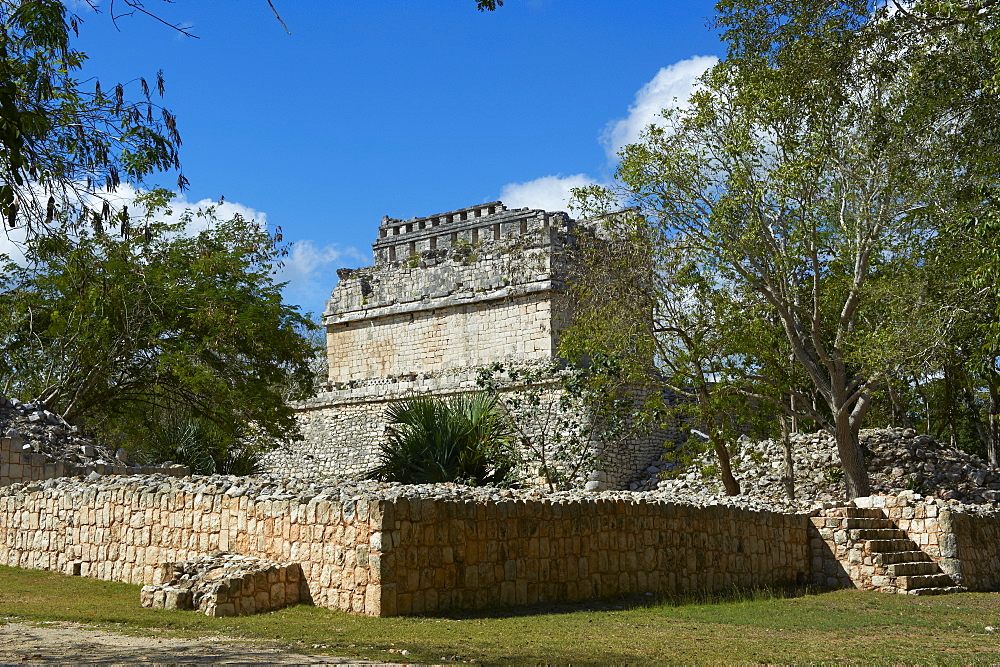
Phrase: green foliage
(63, 138)
(206, 447)
(101, 328)
(564, 417)
(462, 439)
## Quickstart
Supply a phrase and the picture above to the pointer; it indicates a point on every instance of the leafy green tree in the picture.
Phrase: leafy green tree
(462, 439)
(64, 138)
(798, 184)
(565, 416)
(99, 327)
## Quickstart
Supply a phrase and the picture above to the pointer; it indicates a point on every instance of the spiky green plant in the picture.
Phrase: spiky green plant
(460, 439)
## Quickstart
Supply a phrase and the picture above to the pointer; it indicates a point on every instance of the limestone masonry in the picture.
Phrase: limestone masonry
(448, 294)
(384, 549)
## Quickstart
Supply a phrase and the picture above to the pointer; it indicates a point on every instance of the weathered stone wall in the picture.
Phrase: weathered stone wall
(475, 332)
(388, 550)
(342, 431)
(970, 548)
(457, 554)
(123, 529)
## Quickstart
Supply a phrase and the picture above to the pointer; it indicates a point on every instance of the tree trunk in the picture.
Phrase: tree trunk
(993, 424)
(725, 467)
(898, 409)
(851, 458)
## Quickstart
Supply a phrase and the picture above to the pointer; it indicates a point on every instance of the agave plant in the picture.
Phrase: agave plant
(460, 439)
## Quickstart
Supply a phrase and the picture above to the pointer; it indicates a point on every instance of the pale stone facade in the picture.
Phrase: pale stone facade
(448, 294)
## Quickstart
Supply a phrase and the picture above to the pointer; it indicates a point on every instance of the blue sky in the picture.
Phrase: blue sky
(400, 108)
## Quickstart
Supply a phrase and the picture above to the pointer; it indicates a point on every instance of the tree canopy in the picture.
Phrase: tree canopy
(64, 138)
(103, 328)
(804, 191)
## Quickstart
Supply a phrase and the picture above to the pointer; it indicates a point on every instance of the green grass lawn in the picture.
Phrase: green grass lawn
(841, 625)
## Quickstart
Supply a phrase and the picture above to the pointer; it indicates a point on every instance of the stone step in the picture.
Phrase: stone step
(877, 534)
(910, 569)
(924, 581)
(892, 557)
(862, 512)
(883, 546)
(939, 590)
(868, 523)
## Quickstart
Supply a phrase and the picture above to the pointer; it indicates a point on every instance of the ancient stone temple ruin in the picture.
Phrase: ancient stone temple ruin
(448, 294)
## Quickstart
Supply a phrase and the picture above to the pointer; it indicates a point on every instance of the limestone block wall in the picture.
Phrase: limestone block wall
(385, 550)
(476, 331)
(389, 550)
(970, 548)
(125, 529)
(342, 430)
(462, 554)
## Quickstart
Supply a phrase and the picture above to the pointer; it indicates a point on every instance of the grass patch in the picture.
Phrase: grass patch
(843, 625)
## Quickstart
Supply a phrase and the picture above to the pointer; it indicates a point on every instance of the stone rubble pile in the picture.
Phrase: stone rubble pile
(898, 460)
(225, 584)
(46, 438)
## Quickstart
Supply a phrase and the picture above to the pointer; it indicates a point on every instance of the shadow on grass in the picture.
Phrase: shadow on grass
(631, 601)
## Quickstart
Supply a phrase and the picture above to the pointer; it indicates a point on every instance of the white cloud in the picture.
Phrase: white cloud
(125, 195)
(671, 87)
(311, 273)
(551, 193)
(11, 242)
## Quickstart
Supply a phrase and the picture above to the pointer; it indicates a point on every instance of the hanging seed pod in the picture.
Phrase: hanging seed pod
(125, 223)
(50, 210)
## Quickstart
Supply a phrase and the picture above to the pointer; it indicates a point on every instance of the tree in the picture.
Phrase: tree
(63, 138)
(797, 183)
(65, 141)
(104, 329)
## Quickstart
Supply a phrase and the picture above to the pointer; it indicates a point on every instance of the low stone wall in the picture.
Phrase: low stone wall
(464, 554)
(125, 529)
(970, 549)
(389, 550)
(384, 549)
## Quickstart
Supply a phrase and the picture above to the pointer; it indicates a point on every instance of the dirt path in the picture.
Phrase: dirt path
(74, 643)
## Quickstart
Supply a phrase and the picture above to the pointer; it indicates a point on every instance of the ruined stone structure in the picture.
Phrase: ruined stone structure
(448, 294)
(388, 550)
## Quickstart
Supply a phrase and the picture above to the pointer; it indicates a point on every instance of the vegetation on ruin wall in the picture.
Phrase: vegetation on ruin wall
(463, 439)
(126, 330)
(838, 626)
(564, 417)
(809, 231)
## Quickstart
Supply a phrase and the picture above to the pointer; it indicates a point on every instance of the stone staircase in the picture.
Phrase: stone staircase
(877, 555)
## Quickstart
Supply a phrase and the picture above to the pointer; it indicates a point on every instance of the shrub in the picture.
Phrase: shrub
(463, 439)
(203, 446)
